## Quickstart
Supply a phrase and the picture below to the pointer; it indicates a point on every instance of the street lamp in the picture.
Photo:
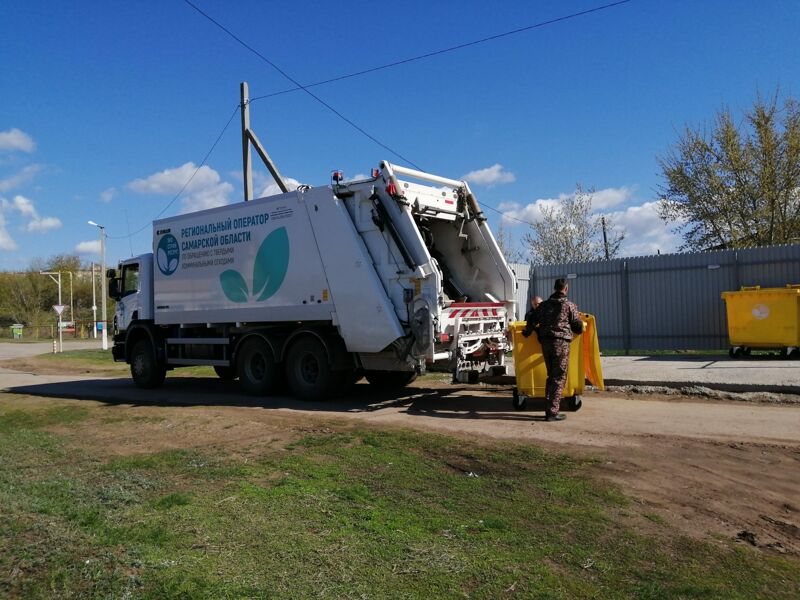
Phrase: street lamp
(102, 280)
(53, 275)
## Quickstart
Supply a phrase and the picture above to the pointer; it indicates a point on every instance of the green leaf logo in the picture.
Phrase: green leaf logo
(269, 270)
(233, 285)
(272, 262)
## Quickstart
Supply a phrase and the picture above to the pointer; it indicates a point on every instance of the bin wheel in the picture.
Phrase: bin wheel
(574, 403)
(784, 354)
(735, 352)
(795, 353)
(747, 351)
(519, 401)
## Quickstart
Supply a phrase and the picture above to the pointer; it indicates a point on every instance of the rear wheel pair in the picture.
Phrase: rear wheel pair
(306, 369)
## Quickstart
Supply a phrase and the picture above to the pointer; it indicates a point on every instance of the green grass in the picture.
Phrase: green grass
(348, 514)
(92, 356)
(102, 360)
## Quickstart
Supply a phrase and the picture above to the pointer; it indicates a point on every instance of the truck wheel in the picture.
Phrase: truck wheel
(308, 372)
(226, 373)
(258, 373)
(389, 380)
(145, 370)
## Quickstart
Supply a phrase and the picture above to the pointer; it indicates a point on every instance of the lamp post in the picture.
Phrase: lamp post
(102, 280)
(53, 275)
(72, 307)
(94, 307)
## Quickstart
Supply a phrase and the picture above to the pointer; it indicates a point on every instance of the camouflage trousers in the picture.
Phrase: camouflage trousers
(556, 359)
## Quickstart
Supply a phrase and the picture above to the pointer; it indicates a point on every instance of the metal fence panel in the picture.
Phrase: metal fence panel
(671, 301)
(522, 295)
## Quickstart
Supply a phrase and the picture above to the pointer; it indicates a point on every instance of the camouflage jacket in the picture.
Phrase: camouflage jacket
(555, 318)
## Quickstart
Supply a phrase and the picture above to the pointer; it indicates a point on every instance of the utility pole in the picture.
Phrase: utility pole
(94, 307)
(53, 275)
(249, 137)
(72, 306)
(605, 237)
(247, 164)
(103, 280)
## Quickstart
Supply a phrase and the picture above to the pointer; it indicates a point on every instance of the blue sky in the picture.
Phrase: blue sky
(107, 107)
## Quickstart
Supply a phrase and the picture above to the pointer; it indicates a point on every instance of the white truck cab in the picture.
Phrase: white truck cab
(132, 288)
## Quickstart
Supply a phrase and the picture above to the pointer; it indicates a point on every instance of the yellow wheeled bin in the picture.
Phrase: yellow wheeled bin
(764, 318)
(531, 373)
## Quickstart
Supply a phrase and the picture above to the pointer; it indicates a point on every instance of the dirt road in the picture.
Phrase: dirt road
(711, 468)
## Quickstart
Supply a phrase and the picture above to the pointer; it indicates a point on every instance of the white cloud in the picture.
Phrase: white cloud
(108, 195)
(608, 197)
(15, 139)
(43, 224)
(25, 207)
(205, 190)
(22, 205)
(271, 188)
(489, 176)
(513, 212)
(18, 179)
(601, 200)
(6, 242)
(646, 232)
(90, 247)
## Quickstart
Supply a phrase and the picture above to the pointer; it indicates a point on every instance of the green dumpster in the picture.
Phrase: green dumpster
(16, 331)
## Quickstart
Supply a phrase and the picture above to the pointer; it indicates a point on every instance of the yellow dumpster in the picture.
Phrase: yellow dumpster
(531, 374)
(767, 318)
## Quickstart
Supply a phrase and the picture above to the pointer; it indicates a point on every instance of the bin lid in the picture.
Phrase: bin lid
(789, 290)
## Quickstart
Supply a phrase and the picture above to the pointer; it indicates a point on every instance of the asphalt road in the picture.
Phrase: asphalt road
(22, 350)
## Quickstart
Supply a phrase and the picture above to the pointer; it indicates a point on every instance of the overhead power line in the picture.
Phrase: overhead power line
(185, 185)
(411, 59)
(301, 86)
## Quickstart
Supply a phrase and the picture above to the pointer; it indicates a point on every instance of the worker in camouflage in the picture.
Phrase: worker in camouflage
(535, 302)
(555, 321)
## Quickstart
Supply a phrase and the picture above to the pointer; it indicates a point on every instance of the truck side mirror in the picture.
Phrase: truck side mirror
(111, 273)
(113, 289)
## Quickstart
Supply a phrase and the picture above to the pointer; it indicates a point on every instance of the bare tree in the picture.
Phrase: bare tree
(737, 185)
(511, 251)
(571, 232)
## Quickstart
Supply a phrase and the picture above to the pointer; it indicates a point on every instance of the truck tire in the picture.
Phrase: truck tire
(308, 372)
(146, 372)
(226, 373)
(258, 372)
(390, 380)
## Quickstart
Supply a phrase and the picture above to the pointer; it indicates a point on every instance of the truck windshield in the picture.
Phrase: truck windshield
(130, 279)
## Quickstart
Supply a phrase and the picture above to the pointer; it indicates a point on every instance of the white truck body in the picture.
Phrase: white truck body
(405, 274)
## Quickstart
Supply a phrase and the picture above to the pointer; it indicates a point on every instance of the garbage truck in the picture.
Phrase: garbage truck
(380, 277)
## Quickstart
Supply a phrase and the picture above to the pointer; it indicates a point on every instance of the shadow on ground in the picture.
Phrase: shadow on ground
(450, 401)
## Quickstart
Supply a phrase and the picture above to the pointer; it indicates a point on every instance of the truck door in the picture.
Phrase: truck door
(128, 306)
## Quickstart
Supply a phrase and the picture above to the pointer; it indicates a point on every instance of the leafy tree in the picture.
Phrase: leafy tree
(571, 232)
(736, 184)
(28, 297)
